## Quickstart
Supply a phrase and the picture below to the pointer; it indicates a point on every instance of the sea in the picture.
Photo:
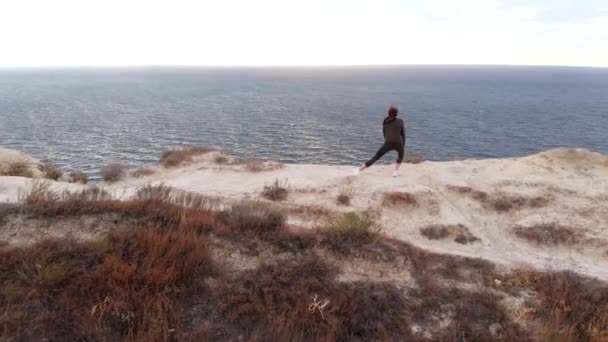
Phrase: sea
(84, 118)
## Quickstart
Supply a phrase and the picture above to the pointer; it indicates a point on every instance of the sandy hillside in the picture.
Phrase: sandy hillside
(548, 210)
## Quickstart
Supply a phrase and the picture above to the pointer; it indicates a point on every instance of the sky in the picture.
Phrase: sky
(302, 32)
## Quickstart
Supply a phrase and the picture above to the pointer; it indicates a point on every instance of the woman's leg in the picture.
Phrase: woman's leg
(401, 153)
(382, 151)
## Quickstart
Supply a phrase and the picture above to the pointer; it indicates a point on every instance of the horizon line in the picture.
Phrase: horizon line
(285, 66)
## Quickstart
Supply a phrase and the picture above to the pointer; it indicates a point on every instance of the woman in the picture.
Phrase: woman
(394, 140)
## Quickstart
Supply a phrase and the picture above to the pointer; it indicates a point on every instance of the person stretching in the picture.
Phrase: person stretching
(394, 140)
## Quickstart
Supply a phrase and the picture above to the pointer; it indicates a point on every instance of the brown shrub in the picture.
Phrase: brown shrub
(435, 232)
(51, 170)
(20, 169)
(113, 172)
(41, 200)
(480, 196)
(253, 216)
(399, 198)
(76, 176)
(572, 308)
(548, 234)
(459, 233)
(344, 197)
(412, 158)
(277, 191)
(220, 159)
(178, 156)
(501, 202)
(300, 301)
(143, 172)
(259, 165)
(127, 287)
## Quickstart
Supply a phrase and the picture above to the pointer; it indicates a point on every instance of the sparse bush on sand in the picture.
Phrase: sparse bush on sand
(501, 202)
(344, 197)
(77, 176)
(459, 233)
(548, 234)
(412, 158)
(142, 172)
(51, 170)
(277, 191)
(258, 165)
(19, 168)
(350, 230)
(220, 159)
(113, 172)
(253, 216)
(399, 198)
(182, 155)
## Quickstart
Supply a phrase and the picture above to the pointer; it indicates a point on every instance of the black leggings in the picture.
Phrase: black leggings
(386, 148)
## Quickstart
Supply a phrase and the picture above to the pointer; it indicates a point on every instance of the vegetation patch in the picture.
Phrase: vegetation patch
(350, 230)
(344, 197)
(277, 191)
(220, 159)
(549, 234)
(166, 277)
(253, 217)
(20, 168)
(143, 171)
(412, 158)
(502, 202)
(50, 170)
(76, 176)
(399, 199)
(113, 172)
(174, 157)
(459, 233)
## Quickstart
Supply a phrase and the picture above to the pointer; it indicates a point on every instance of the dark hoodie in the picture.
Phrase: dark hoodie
(394, 131)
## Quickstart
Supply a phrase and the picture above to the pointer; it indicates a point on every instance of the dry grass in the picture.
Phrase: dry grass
(113, 172)
(174, 157)
(220, 159)
(399, 199)
(502, 202)
(459, 233)
(277, 191)
(76, 176)
(349, 230)
(159, 279)
(51, 170)
(258, 165)
(572, 308)
(344, 197)
(143, 172)
(20, 168)
(124, 287)
(412, 158)
(548, 234)
(253, 217)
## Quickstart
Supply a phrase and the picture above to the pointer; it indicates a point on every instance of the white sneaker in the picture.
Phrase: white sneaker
(395, 173)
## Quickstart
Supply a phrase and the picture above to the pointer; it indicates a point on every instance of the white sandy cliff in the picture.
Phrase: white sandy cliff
(558, 197)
